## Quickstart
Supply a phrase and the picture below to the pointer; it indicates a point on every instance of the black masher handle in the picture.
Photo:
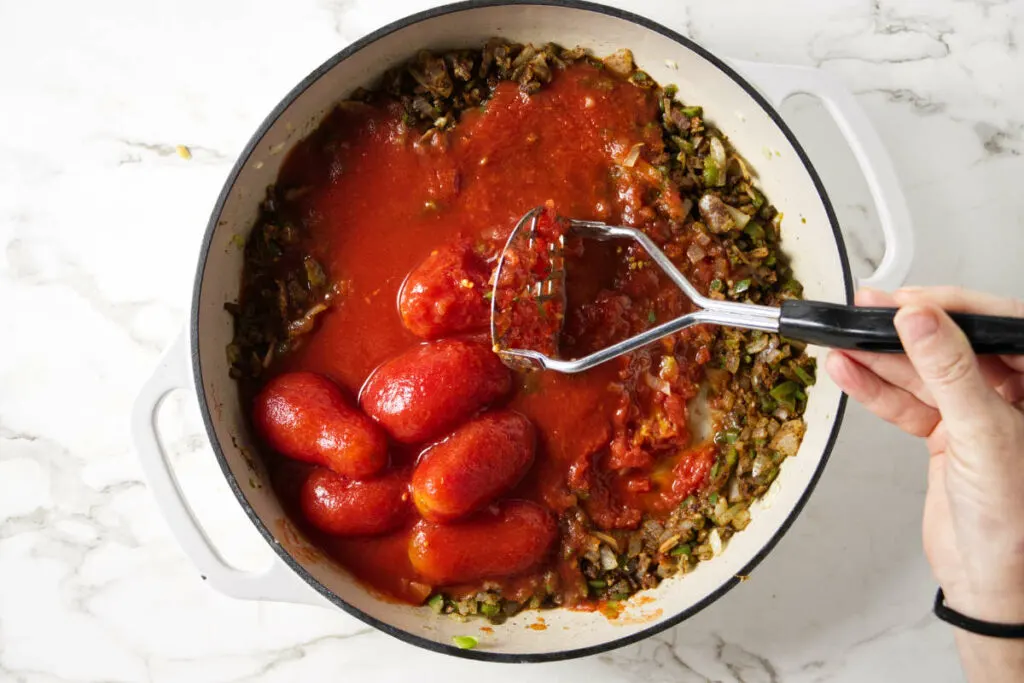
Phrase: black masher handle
(872, 329)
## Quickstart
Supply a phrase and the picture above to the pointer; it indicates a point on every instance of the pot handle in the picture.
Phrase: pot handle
(777, 82)
(277, 582)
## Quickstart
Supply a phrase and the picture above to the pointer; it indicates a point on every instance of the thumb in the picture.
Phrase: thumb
(943, 358)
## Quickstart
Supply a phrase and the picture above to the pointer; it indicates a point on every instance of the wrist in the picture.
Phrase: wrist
(1001, 603)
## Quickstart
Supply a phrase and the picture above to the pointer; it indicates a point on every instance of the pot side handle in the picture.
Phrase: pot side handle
(277, 582)
(778, 82)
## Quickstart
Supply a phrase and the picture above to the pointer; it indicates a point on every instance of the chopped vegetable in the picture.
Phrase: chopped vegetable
(712, 172)
(784, 391)
(634, 153)
(465, 642)
(717, 151)
(804, 376)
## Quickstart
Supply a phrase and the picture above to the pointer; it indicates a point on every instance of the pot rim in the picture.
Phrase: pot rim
(250, 147)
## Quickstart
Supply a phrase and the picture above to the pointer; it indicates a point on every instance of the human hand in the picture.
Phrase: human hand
(969, 410)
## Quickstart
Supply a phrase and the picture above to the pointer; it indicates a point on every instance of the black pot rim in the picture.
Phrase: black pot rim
(243, 158)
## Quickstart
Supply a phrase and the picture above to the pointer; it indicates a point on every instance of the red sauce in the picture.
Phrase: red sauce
(379, 202)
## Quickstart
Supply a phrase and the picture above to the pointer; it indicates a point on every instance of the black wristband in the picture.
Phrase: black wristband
(983, 628)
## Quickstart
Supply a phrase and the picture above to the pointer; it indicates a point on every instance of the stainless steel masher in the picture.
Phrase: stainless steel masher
(813, 322)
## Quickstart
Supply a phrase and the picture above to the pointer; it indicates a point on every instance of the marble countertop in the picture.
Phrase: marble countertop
(100, 220)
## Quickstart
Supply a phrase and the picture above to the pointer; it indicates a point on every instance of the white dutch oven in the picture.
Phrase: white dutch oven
(300, 573)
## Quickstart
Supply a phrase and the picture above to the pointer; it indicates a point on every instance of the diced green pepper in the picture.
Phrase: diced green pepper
(490, 609)
(757, 199)
(741, 286)
(681, 549)
(804, 376)
(465, 642)
(784, 391)
(793, 287)
(436, 603)
(711, 172)
(597, 583)
(713, 499)
(694, 111)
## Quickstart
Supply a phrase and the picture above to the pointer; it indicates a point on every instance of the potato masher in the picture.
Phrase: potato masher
(813, 322)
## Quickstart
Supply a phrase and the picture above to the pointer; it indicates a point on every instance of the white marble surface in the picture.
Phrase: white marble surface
(100, 222)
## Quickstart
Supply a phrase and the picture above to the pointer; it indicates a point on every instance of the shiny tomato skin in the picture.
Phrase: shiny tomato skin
(445, 294)
(474, 465)
(505, 539)
(430, 389)
(348, 507)
(305, 416)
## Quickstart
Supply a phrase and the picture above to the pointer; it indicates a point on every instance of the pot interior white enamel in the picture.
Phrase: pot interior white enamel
(809, 237)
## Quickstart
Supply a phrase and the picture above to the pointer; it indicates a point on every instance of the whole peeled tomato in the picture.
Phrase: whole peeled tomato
(430, 389)
(505, 539)
(445, 294)
(305, 416)
(475, 464)
(348, 507)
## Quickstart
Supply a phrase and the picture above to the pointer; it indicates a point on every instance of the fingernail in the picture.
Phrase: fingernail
(915, 323)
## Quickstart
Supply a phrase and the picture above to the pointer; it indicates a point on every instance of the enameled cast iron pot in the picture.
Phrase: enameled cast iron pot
(742, 110)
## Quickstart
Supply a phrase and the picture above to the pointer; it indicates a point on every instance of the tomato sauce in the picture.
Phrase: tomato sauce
(377, 199)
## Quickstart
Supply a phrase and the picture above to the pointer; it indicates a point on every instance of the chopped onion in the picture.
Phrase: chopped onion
(787, 440)
(695, 253)
(610, 540)
(721, 268)
(734, 489)
(741, 219)
(608, 559)
(721, 508)
(741, 519)
(715, 541)
(758, 345)
(687, 207)
(718, 155)
(658, 384)
(634, 154)
(668, 368)
(761, 465)
(620, 63)
(669, 543)
(744, 171)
